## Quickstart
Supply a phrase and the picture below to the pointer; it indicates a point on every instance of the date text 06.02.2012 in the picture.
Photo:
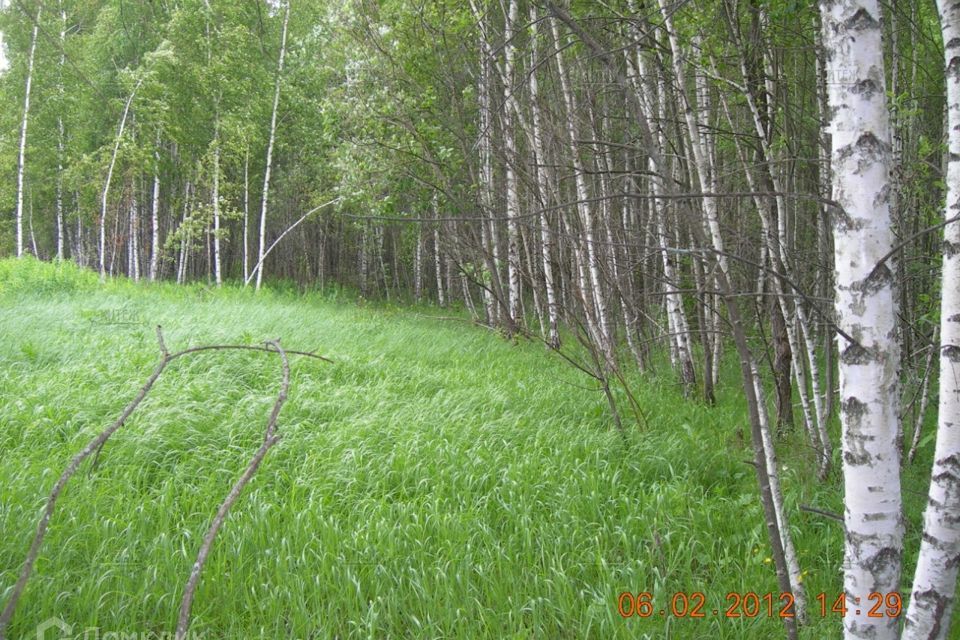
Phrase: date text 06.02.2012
(695, 604)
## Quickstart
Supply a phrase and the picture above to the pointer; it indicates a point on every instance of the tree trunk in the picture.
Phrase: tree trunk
(539, 159)
(155, 215)
(105, 194)
(866, 310)
(215, 199)
(134, 243)
(270, 142)
(60, 131)
(513, 195)
(437, 261)
(418, 266)
(935, 580)
(21, 157)
(246, 218)
(595, 303)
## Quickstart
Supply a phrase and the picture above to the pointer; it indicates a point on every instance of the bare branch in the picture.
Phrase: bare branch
(270, 438)
(98, 442)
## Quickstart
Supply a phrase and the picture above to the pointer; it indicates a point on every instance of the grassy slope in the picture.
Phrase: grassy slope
(435, 482)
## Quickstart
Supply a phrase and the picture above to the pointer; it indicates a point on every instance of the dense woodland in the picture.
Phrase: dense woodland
(752, 180)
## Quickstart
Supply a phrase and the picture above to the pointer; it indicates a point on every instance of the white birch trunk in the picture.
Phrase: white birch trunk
(22, 156)
(935, 580)
(155, 215)
(484, 143)
(513, 196)
(60, 132)
(134, 270)
(593, 295)
(273, 135)
(184, 237)
(789, 551)
(437, 261)
(59, 195)
(794, 314)
(546, 237)
(246, 216)
(418, 266)
(215, 197)
(924, 394)
(105, 194)
(701, 159)
(866, 310)
(681, 350)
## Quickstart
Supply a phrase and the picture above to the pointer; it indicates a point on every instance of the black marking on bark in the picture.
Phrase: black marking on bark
(952, 43)
(856, 354)
(931, 599)
(936, 543)
(951, 352)
(866, 88)
(879, 278)
(870, 145)
(883, 560)
(951, 465)
(950, 249)
(954, 318)
(882, 199)
(953, 68)
(856, 459)
(854, 408)
(860, 21)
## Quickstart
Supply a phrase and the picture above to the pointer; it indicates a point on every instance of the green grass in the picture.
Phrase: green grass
(435, 482)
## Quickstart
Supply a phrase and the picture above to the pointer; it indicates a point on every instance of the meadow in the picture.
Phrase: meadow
(435, 481)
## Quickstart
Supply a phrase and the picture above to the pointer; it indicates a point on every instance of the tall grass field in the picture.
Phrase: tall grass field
(434, 481)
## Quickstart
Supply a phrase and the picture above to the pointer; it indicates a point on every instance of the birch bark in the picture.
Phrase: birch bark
(105, 194)
(546, 237)
(155, 214)
(22, 156)
(270, 142)
(935, 580)
(866, 307)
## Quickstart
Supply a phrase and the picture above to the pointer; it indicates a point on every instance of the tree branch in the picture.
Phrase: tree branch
(97, 443)
(270, 438)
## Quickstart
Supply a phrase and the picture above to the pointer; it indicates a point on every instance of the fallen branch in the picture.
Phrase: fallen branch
(269, 439)
(96, 445)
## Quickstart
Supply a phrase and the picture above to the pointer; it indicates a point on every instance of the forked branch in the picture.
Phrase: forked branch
(97, 443)
(269, 439)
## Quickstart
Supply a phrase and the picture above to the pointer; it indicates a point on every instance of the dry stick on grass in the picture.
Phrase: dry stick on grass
(269, 439)
(95, 445)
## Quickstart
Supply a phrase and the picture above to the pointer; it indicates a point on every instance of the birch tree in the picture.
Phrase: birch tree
(270, 142)
(935, 581)
(24, 119)
(105, 192)
(866, 309)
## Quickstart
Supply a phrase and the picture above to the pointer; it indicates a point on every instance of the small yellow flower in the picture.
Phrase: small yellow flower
(767, 560)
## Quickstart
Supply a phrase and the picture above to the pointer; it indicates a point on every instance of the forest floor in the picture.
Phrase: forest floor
(436, 481)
